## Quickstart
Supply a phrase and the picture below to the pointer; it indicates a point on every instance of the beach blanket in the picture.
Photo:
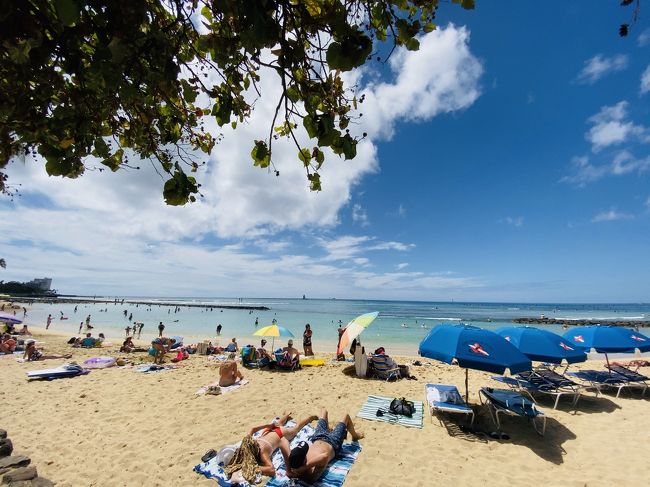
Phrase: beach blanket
(374, 403)
(155, 368)
(217, 358)
(334, 476)
(224, 390)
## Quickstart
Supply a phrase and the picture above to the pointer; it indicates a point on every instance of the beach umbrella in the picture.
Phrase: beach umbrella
(471, 347)
(607, 339)
(542, 345)
(273, 331)
(354, 329)
(7, 318)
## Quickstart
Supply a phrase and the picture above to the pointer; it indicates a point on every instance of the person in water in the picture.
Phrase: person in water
(308, 462)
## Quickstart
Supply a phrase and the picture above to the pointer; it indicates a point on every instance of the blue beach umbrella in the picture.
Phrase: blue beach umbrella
(473, 348)
(542, 345)
(607, 339)
(8, 318)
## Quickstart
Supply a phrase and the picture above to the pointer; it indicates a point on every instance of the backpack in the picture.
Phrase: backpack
(402, 407)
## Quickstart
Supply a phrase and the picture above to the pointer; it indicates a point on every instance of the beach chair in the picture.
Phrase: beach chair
(598, 380)
(629, 374)
(549, 382)
(383, 367)
(284, 362)
(445, 398)
(511, 403)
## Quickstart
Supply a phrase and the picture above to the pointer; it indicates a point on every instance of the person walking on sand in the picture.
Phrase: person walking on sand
(81, 325)
(140, 327)
(219, 327)
(161, 328)
(306, 341)
(49, 322)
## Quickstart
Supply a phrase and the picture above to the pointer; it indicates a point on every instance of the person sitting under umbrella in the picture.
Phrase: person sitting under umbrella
(291, 354)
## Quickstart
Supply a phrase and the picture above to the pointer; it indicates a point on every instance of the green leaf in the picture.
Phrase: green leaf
(349, 147)
(115, 161)
(310, 126)
(207, 13)
(293, 93)
(260, 154)
(430, 27)
(179, 189)
(412, 44)
(67, 10)
(351, 52)
(305, 156)
(314, 181)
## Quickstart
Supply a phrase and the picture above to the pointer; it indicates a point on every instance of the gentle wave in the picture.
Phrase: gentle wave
(604, 318)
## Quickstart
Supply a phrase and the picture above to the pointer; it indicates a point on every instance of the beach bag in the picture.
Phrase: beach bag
(402, 407)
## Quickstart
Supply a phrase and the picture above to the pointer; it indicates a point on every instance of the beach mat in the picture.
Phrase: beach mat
(224, 390)
(334, 475)
(374, 403)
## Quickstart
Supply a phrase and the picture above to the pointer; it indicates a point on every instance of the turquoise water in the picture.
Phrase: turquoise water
(324, 316)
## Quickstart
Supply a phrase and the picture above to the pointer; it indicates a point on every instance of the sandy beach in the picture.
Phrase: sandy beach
(118, 427)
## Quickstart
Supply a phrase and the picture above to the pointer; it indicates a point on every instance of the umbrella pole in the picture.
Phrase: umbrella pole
(467, 385)
(607, 360)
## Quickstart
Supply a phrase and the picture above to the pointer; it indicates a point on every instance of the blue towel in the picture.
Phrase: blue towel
(334, 476)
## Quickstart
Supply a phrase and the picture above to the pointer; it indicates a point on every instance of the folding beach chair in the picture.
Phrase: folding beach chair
(446, 398)
(601, 379)
(511, 403)
(383, 367)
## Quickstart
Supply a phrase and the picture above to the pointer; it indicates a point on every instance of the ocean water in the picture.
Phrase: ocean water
(400, 327)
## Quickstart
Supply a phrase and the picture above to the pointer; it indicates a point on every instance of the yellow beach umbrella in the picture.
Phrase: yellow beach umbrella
(273, 331)
(354, 329)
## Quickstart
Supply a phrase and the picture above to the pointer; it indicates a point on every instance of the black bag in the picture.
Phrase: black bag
(402, 407)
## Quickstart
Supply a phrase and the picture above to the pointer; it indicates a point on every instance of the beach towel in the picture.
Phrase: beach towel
(334, 475)
(224, 390)
(375, 403)
(155, 368)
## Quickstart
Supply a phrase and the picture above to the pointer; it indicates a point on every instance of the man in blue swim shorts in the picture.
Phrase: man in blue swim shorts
(308, 462)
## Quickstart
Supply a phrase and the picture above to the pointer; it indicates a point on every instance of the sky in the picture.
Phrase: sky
(507, 160)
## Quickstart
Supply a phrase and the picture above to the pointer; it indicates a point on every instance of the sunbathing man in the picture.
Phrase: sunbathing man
(274, 435)
(228, 373)
(309, 462)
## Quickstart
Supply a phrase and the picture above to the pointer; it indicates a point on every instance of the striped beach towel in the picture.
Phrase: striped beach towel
(334, 476)
(374, 403)
(224, 389)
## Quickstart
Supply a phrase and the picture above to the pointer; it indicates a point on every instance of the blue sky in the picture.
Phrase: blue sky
(507, 161)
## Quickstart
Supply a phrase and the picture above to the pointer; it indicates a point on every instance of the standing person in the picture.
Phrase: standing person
(81, 325)
(257, 322)
(88, 322)
(128, 330)
(306, 340)
(140, 327)
(161, 328)
(49, 322)
(340, 357)
(219, 327)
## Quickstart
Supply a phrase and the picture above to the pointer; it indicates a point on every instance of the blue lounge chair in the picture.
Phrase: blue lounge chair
(546, 381)
(512, 403)
(601, 379)
(446, 398)
(629, 374)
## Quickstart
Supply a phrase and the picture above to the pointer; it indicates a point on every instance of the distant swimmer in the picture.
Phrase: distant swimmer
(404, 325)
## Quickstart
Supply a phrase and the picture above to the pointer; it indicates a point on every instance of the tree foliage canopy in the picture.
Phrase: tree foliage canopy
(94, 84)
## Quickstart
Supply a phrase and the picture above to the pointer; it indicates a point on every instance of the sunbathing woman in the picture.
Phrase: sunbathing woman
(32, 353)
(274, 435)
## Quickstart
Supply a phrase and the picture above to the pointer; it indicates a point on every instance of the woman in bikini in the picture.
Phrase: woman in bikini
(277, 435)
(33, 354)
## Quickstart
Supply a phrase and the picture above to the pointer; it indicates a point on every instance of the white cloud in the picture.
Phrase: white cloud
(645, 80)
(516, 221)
(439, 78)
(644, 38)
(599, 66)
(113, 232)
(610, 216)
(622, 163)
(359, 215)
(401, 265)
(610, 126)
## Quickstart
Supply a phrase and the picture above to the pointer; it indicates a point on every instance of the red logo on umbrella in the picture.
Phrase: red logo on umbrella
(565, 346)
(638, 339)
(578, 338)
(477, 348)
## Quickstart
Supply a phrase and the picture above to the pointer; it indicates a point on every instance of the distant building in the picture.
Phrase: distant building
(42, 284)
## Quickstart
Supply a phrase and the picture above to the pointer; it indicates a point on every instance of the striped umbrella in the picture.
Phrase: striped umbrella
(354, 329)
(273, 331)
(8, 318)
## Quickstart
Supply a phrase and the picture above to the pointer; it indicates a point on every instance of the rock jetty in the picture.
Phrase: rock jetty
(569, 322)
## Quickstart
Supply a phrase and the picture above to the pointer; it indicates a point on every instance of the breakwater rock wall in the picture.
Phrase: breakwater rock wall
(555, 321)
